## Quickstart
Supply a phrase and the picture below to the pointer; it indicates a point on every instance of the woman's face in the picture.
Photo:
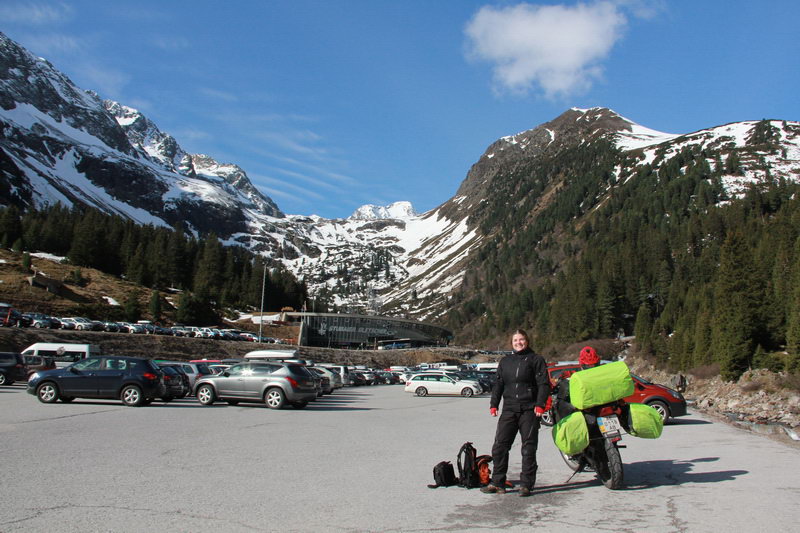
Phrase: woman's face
(519, 342)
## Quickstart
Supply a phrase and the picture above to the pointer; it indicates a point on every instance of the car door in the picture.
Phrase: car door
(447, 385)
(232, 384)
(81, 379)
(255, 380)
(110, 376)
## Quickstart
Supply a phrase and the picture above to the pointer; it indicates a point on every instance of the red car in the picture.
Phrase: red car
(669, 403)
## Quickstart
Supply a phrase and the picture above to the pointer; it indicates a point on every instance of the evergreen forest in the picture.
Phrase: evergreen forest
(212, 278)
(700, 278)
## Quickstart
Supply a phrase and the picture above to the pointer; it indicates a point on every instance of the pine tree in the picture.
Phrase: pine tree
(155, 306)
(735, 311)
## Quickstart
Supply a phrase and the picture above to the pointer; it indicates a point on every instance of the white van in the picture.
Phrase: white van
(64, 354)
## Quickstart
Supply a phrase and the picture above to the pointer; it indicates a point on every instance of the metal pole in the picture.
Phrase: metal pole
(263, 286)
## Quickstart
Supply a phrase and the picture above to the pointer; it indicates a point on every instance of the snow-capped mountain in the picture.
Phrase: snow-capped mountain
(399, 210)
(63, 144)
(59, 143)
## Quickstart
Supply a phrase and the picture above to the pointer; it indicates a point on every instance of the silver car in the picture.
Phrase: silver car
(275, 383)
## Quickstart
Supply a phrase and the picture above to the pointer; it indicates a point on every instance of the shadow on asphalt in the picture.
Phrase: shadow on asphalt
(687, 422)
(649, 474)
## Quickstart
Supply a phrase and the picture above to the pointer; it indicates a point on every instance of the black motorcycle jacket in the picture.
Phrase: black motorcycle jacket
(522, 381)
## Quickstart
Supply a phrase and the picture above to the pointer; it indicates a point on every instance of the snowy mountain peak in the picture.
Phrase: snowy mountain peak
(397, 210)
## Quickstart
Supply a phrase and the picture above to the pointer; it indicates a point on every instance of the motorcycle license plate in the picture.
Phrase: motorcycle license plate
(609, 425)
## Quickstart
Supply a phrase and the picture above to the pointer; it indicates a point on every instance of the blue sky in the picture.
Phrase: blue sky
(329, 105)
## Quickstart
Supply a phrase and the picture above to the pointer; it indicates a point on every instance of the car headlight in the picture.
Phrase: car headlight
(675, 394)
(33, 376)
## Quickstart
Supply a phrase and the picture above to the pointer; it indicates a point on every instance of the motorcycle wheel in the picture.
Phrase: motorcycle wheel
(610, 471)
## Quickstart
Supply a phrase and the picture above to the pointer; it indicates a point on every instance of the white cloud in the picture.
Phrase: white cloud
(35, 13)
(557, 48)
(53, 44)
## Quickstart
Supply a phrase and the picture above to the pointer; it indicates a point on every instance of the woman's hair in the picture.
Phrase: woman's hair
(523, 333)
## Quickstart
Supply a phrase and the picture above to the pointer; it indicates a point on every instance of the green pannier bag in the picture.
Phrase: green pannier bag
(644, 421)
(599, 385)
(571, 434)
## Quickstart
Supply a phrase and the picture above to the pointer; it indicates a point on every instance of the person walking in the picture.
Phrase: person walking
(523, 385)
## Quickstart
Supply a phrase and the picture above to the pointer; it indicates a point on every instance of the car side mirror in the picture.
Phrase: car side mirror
(640, 386)
(74, 370)
(226, 373)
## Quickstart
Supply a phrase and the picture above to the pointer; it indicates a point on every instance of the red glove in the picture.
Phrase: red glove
(539, 411)
(493, 411)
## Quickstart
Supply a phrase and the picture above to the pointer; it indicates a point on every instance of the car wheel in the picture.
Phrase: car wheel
(131, 396)
(300, 405)
(67, 399)
(421, 391)
(274, 398)
(4, 380)
(47, 392)
(37, 325)
(466, 392)
(662, 409)
(206, 395)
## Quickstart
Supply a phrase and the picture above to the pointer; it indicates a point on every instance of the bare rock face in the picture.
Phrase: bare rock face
(758, 397)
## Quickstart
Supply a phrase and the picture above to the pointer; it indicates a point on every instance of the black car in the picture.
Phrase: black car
(176, 382)
(133, 380)
(12, 368)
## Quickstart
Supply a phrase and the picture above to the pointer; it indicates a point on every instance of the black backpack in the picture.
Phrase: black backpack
(468, 475)
(443, 475)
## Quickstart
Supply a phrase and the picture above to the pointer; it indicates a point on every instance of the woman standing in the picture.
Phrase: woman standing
(523, 385)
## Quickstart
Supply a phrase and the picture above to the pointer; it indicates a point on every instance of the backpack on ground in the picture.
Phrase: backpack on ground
(443, 475)
(484, 470)
(468, 466)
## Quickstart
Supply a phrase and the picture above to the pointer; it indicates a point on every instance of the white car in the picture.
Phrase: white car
(439, 383)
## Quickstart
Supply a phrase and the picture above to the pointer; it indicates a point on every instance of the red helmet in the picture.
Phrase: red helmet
(588, 356)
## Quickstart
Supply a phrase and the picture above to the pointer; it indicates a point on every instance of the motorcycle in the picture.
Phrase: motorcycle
(602, 455)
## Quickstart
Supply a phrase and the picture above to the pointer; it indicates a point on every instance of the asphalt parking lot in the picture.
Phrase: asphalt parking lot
(358, 460)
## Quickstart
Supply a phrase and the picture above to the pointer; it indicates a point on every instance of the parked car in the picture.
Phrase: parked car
(176, 382)
(327, 384)
(133, 380)
(12, 368)
(40, 320)
(193, 370)
(84, 324)
(357, 379)
(668, 402)
(35, 363)
(275, 383)
(439, 383)
(10, 317)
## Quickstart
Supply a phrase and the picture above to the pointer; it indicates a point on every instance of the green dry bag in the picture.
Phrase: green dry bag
(571, 434)
(600, 385)
(644, 421)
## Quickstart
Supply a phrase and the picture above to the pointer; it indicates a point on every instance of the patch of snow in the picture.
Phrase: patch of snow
(51, 257)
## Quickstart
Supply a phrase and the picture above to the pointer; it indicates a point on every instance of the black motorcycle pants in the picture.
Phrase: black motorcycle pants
(526, 423)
